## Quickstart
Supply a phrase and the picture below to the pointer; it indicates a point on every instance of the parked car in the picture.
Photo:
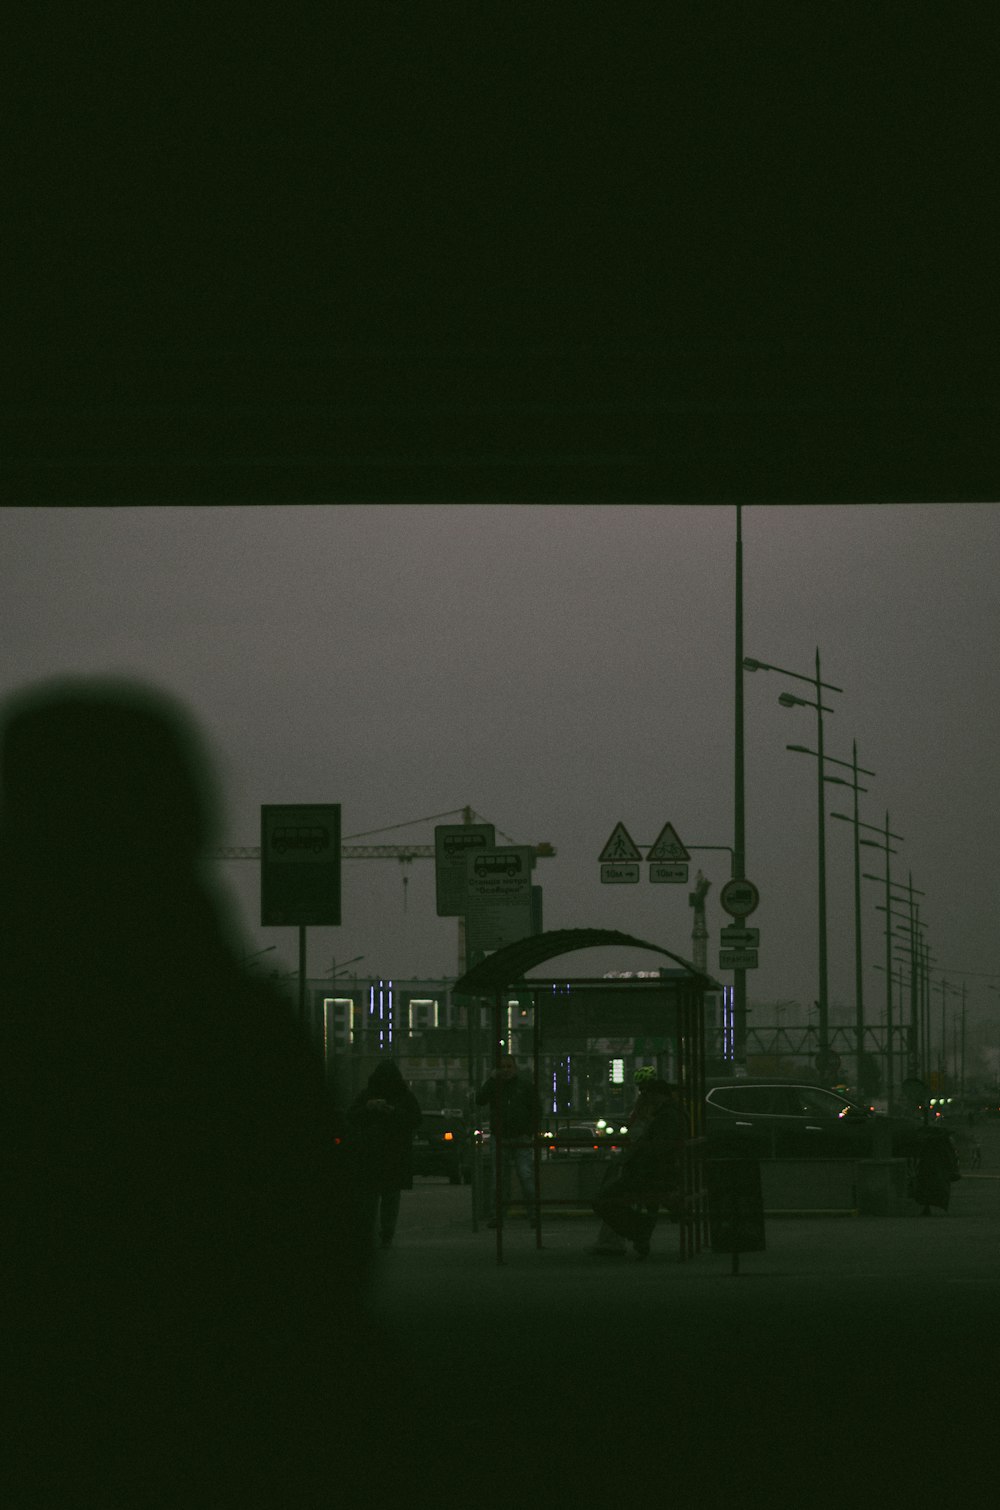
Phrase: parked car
(442, 1146)
(786, 1119)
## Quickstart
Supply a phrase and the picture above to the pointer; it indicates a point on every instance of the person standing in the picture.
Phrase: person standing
(514, 1117)
(381, 1122)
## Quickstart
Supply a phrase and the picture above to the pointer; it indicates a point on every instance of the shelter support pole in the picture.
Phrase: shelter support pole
(302, 975)
(498, 1132)
(686, 1048)
(536, 1142)
(697, 1128)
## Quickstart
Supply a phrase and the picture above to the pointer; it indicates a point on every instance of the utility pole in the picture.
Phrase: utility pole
(739, 835)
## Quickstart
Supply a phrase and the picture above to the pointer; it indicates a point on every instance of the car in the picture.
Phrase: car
(442, 1146)
(575, 1140)
(793, 1119)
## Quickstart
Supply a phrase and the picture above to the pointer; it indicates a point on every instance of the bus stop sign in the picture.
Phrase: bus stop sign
(300, 865)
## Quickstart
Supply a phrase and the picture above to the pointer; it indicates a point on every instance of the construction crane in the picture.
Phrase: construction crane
(699, 933)
(404, 853)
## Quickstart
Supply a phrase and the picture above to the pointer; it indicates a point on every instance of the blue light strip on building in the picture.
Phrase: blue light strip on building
(728, 1023)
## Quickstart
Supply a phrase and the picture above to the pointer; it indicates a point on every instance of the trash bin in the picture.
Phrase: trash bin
(735, 1205)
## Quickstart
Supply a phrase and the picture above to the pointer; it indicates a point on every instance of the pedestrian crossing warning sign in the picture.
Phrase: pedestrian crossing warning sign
(621, 846)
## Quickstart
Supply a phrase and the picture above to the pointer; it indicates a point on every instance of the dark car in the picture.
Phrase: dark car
(783, 1119)
(441, 1145)
(575, 1140)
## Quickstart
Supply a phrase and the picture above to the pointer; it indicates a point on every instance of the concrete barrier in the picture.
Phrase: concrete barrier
(808, 1185)
(882, 1187)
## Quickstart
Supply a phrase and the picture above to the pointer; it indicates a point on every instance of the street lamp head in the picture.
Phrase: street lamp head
(749, 664)
(789, 700)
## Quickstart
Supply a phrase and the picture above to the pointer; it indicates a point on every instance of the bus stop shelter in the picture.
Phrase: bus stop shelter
(572, 1010)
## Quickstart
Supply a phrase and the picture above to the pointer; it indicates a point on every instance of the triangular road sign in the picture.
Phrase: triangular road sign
(621, 846)
(668, 846)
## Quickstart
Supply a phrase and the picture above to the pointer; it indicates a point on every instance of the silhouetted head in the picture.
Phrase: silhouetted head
(105, 803)
(386, 1079)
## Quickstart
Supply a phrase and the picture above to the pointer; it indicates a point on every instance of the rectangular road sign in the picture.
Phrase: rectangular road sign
(739, 938)
(620, 874)
(499, 905)
(453, 843)
(664, 872)
(737, 959)
(300, 865)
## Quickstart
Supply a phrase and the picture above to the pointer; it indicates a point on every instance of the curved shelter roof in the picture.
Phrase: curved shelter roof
(509, 964)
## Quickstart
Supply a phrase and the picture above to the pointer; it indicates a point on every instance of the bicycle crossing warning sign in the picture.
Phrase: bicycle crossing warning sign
(668, 846)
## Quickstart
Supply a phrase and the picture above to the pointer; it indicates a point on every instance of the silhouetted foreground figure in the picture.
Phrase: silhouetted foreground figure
(184, 1269)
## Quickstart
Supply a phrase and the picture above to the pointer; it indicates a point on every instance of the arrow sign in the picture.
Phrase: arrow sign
(668, 846)
(739, 938)
(621, 846)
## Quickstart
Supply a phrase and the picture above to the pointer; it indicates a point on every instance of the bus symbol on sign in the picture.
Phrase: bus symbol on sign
(497, 864)
(314, 838)
(739, 898)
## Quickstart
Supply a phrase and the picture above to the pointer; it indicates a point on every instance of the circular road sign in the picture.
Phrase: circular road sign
(739, 898)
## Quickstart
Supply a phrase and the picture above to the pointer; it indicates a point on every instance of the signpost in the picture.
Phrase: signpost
(300, 872)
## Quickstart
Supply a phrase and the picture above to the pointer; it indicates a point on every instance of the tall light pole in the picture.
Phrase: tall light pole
(335, 969)
(739, 833)
(789, 701)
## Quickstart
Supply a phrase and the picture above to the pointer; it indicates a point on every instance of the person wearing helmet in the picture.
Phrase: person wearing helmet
(650, 1173)
(609, 1243)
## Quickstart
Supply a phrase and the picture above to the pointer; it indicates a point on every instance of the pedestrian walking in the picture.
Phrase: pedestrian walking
(933, 1168)
(381, 1122)
(514, 1118)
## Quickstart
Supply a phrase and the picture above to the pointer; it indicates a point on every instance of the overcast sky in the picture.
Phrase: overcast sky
(561, 669)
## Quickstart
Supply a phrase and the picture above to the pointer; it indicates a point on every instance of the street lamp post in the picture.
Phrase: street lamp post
(788, 700)
(335, 969)
(739, 831)
(250, 959)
